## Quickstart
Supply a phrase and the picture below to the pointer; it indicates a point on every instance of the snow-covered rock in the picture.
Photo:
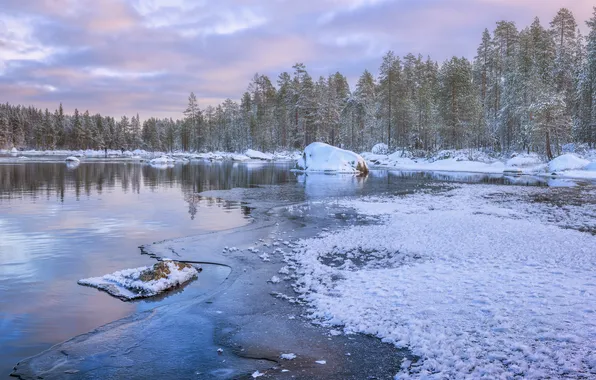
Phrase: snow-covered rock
(256, 155)
(14, 150)
(144, 281)
(524, 160)
(72, 159)
(239, 157)
(380, 149)
(567, 161)
(163, 160)
(322, 157)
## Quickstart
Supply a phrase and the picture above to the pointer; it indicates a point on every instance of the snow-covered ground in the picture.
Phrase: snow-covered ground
(568, 165)
(140, 154)
(477, 281)
(144, 281)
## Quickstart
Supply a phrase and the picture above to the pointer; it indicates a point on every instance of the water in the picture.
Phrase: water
(58, 225)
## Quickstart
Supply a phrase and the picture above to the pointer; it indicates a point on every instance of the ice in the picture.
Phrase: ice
(472, 280)
(257, 374)
(144, 281)
(326, 158)
(256, 155)
(288, 356)
(321, 362)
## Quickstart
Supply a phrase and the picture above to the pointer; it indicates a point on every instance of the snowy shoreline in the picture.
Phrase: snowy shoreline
(568, 165)
(476, 281)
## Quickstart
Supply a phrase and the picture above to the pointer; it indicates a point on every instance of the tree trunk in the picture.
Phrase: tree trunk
(549, 153)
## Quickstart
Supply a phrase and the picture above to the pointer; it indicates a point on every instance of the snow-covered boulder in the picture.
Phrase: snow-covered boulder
(144, 281)
(72, 160)
(524, 160)
(567, 161)
(14, 150)
(380, 149)
(256, 155)
(239, 157)
(322, 157)
(163, 160)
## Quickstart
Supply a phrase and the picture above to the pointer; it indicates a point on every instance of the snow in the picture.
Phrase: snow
(128, 284)
(567, 161)
(72, 159)
(257, 374)
(380, 149)
(161, 161)
(326, 158)
(239, 157)
(591, 166)
(321, 362)
(568, 165)
(474, 281)
(14, 150)
(256, 155)
(275, 280)
(288, 356)
(445, 160)
(524, 160)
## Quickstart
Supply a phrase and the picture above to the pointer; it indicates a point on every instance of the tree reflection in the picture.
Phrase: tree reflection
(34, 180)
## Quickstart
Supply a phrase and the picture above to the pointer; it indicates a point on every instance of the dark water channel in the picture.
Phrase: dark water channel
(58, 225)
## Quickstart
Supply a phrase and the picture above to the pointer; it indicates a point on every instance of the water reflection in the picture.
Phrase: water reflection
(59, 224)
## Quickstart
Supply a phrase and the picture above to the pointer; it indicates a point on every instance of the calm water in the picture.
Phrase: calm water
(58, 225)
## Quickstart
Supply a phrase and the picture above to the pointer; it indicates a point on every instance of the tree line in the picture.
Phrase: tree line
(526, 90)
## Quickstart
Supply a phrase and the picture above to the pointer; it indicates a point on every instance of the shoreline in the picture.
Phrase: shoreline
(241, 316)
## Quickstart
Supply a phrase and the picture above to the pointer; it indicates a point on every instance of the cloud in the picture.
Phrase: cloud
(127, 56)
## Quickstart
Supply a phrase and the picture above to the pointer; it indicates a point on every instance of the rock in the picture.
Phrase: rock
(321, 157)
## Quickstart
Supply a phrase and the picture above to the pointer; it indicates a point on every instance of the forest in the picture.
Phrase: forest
(526, 90)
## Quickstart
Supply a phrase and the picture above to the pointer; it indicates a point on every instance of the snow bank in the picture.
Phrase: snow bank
(72, 159)
(380, 149)
(144, 281)
(163, 160)
(326, 158)
(445, 160)
(239, 157)
(256, 155)
(476, 288)
(524, 160)
(567, 161)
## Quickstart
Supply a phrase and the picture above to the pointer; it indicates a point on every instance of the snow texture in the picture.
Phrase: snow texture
(127, 284)
(72, 159)
(567, 161)
(380, 148)
(474, 281)
(288, 356)
(256, 155)
(321, 157)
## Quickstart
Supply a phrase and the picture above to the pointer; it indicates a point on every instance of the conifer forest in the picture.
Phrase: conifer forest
(528, 89)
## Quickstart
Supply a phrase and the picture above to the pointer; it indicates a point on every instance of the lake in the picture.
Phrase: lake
(59, 224)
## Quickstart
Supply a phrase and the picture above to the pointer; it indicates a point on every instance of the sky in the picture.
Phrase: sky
(122, 57)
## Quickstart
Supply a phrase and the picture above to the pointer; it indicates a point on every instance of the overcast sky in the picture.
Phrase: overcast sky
(126, 56)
